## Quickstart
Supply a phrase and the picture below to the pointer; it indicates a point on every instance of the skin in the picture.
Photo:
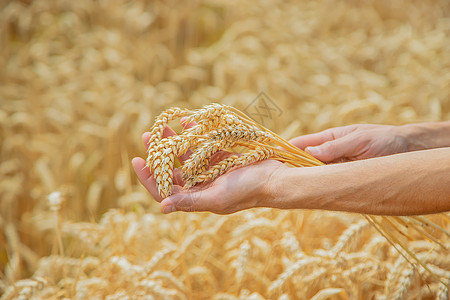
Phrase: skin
(389, 170)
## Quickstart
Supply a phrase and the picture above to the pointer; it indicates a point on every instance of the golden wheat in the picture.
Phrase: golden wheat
(225, 126)
(233, 161)
(156, 132)
(200, 158)
(77, 89)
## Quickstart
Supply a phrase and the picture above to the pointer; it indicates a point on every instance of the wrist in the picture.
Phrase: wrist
(291, 188)
(422, 136)
(274, 188)
(414, 135)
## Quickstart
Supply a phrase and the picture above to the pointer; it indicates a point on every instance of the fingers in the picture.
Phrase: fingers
(200, 200)
(177, 177)
(148, 181)
(335, 149)
(327, 145)
(145, 139)
(313, 139)
(168, 132)
(145, 177)
(319, 138)
(187, 126)
(184, 156)
(219, 156)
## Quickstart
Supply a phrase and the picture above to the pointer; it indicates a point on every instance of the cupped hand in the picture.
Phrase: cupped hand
(238, 189)
(354, 142)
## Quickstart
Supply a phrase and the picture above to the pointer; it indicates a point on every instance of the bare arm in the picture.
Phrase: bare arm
(401, 184)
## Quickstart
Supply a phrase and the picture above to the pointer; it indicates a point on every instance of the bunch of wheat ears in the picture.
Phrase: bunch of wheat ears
(220, 127)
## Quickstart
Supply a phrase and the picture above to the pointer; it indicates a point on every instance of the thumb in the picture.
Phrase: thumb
(188, 201)
(331, 150)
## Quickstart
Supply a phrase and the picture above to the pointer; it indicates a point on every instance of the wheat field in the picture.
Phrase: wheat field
(80, 81)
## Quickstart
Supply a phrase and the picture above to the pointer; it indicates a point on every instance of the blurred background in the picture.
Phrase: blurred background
(80, 81)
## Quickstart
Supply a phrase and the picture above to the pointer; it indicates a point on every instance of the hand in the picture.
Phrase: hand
(354, 142)
(238, 189)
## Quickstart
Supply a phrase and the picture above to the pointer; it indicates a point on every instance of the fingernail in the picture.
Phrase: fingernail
(313, 150)
(169, 209)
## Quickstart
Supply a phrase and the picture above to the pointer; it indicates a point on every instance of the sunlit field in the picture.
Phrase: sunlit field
(80, 81)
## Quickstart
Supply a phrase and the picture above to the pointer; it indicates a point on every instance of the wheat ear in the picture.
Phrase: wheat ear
(228, 163)
(157, 129)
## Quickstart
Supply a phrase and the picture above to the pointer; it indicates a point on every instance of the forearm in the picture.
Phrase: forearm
(401, 184)
(430, 135)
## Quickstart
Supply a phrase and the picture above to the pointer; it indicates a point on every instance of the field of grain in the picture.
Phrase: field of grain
(80, 81)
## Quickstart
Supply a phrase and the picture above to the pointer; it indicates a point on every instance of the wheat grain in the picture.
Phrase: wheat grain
(161, 121)
(378, 247)
(155, 287)
(438, 259)
(241, 263)
(185, 142)
(208, 112)
(164, 159)
(219, 140)
(312, 278)
(25, 293)
(443, 293)
(199, 160)
(350, 235)
(239, 131)
(405, 282)
(441, 272)
(168, 277)
(395, 272)
(362, 269)
(304, 264)
(225, 296)
(291, 244)
(126, 266)
(156, 259)
(228, 163)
